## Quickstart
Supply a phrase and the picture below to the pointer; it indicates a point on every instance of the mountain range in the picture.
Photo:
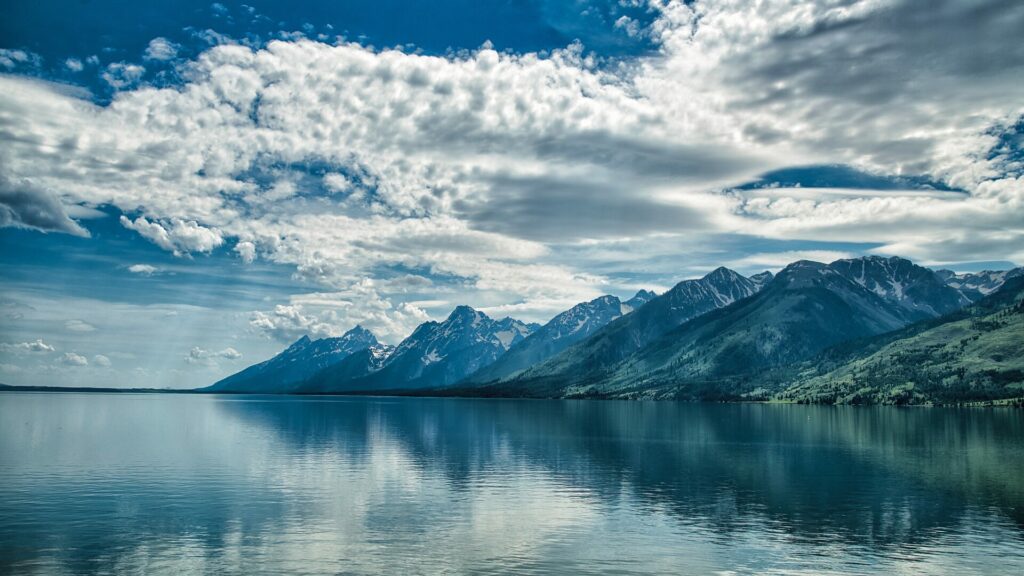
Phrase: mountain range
(722, 336)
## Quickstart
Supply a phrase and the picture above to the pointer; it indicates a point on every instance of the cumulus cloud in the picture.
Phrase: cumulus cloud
(246, 251)
(12, 59)
(327, 314)
(72, 359)
(37, 346)
(123, 75)
(204, 357)
(143, 269)
(177, 236)
(27, 205)
(161, 49)
(74, 64)
(101, 361)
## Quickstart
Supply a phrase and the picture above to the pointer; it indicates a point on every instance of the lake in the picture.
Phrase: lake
(172, 484)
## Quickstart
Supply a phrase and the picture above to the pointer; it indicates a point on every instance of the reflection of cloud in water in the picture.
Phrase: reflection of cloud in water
(225, 484)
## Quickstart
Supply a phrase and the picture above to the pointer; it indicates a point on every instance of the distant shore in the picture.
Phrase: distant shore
(1004, 403)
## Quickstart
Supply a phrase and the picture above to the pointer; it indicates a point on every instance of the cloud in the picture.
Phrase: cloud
(79, 326)
(779, 260)
(123, 75)
(72, 359)
(37, 346)
(177, 236)
(247, 251)
(161, 49)
(26, 205)
(204, 357)
(143, 269)
(329, 314)
(101, 360)
(12, 59)
(74, 64)
(483, 170)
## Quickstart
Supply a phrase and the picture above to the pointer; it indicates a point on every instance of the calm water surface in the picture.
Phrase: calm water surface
(114, 483)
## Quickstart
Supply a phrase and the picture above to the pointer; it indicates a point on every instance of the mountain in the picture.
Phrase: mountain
(806, 308)
(761, 279)
(975, 354)
(977, 285)
(436, 354)
(287, 370)
(639, 299)
(357, 365)
(565, 329)
(915, 288)
(624, 336)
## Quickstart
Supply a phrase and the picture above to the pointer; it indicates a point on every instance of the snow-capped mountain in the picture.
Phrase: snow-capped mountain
(436, 354)
(976, 285)
(358, 365)
(559, 333)
(807, 307)
(296, 363)
(899, 280)
(624, 336)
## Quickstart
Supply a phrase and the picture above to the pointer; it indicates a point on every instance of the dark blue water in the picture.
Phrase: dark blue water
(172, 484)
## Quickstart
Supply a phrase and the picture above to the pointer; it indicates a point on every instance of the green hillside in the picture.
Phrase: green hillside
(975, 355)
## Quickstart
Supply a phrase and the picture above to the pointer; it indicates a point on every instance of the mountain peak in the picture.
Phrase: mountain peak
(300, 342)
(463, 312)
(360, 334)
(721, 273)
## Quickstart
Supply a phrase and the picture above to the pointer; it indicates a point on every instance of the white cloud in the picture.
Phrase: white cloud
(11, 59)
(72, 359)
(36, 346)
(101, 360)
(74, 64)
(161, 49)
(79, 326)
(123, 75)
(323, 314)
(247, 251)
(177, 236)
(778, 260)
(204, 357)
(143, 269)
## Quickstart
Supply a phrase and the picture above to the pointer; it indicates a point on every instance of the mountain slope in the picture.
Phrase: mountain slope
(977, 285)
(808, 307)
(434, 355)
(302, 359)
(971, 355)
(558, 334)
(898, 280)
(624, 336)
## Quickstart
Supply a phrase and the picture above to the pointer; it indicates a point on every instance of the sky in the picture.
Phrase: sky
(187, 187)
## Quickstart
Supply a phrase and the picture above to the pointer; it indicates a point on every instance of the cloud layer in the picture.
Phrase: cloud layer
(479, 170)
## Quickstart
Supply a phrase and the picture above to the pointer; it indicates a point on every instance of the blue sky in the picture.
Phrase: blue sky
(186, 187)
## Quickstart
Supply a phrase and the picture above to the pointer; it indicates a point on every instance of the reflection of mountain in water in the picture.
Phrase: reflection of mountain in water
(883, 476)
(241, 484)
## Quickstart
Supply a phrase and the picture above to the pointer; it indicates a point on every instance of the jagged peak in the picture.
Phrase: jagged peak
(721, 273)
(463, 311)
(357, 332)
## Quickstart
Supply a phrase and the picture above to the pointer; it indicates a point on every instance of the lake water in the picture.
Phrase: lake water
(152, 483)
